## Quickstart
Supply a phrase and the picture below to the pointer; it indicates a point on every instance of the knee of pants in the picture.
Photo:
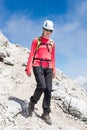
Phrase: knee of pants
(41, 87)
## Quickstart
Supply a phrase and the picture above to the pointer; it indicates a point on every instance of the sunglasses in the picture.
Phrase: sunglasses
(48, 30)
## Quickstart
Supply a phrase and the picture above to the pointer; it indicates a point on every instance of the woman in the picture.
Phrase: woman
(42, 58)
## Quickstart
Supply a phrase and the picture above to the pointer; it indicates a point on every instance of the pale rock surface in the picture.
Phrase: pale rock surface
(9, 61)
(69, 101)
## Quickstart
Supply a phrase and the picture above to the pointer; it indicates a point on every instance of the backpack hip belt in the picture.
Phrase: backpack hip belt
(41, 60)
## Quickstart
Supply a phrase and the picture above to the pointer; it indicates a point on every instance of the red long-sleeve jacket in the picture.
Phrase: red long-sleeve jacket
(41, 53)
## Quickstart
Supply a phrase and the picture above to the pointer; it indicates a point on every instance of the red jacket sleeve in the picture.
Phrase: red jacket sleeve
(30, 58)
(53, 59)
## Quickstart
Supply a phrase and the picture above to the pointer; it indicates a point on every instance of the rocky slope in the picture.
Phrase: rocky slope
(69, 101)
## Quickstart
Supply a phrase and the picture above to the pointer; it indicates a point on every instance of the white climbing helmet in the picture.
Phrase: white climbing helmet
(48, 24)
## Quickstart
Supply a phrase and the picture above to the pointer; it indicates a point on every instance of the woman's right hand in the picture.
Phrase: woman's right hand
(28, 73)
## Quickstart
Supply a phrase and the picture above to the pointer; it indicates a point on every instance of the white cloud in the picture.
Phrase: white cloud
(22, 29)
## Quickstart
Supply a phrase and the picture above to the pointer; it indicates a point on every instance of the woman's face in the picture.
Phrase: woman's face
(47, 33)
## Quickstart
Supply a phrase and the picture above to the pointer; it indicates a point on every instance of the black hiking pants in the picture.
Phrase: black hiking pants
(43, 78)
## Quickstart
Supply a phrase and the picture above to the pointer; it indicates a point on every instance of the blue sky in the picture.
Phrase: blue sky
(22, 20)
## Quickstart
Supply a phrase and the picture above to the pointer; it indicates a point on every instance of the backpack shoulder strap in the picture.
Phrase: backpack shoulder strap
(51, 42)
(38, 42)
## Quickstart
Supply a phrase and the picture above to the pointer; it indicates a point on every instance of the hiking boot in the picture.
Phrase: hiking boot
(46, 118)
(30, 108)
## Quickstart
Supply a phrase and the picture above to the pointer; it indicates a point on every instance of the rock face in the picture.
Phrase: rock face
(70, 97)
(69, 101)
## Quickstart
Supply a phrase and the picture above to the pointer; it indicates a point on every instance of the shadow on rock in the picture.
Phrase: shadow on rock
(23, 104)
